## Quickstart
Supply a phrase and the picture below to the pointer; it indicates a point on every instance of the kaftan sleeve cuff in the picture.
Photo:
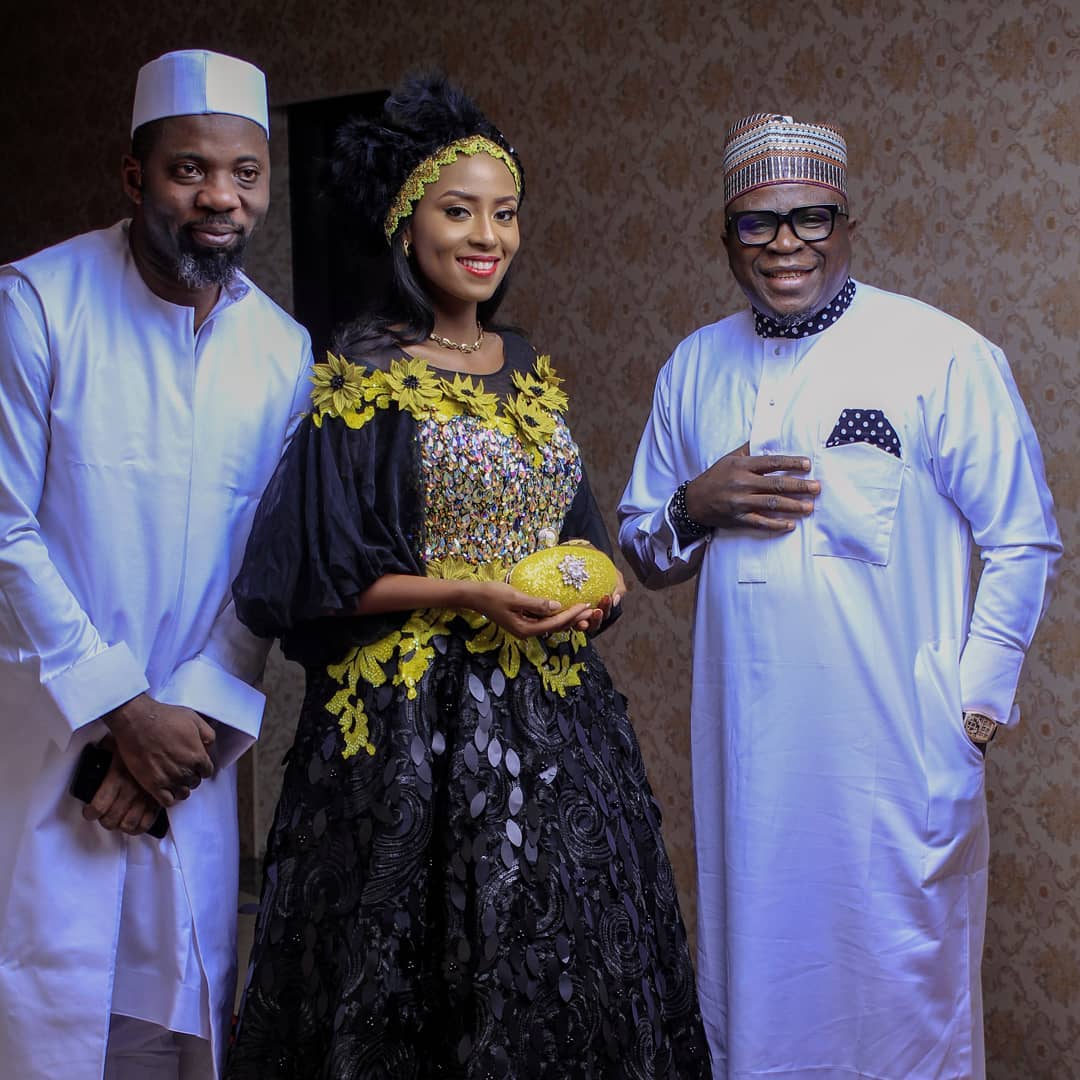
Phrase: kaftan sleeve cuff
(202, 685)
(89, 689)
(989, 673)
(678, 550)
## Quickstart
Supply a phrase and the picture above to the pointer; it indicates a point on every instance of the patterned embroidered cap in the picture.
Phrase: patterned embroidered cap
(769, 148)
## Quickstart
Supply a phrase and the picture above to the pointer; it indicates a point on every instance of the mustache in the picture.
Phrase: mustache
(215, 220)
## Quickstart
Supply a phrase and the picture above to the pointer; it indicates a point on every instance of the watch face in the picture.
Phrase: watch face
(980, 728)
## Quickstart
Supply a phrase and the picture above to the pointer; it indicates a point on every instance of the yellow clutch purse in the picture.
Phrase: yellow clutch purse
(572, 573)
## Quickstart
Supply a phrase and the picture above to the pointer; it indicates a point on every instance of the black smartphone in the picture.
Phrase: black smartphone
(94, 762)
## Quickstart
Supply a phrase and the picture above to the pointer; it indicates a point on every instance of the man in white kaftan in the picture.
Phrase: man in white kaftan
(844, 685)
(144, 400)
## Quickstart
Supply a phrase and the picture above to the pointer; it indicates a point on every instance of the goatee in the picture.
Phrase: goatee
(200, 269)
(791, 320)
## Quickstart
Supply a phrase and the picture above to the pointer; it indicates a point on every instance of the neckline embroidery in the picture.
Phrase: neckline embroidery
(347, 391)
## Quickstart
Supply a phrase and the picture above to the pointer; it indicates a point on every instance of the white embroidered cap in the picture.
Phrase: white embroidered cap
(194, 82)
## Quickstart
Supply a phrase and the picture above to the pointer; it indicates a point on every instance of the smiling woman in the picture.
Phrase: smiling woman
(462, 236)
(465, 876)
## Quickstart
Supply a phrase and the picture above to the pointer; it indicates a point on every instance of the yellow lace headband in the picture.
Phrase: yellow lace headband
(427, 172)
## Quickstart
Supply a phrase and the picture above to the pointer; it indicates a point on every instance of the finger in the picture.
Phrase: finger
(203, 767)
(149, 816)
(767, 463)
(185, 779)
(562, 621)
(620, 590)
(791, 485)
(206, 731)
(523, 626)
(180, 794)
(775, 504)
(131, 822)
(105, 796)
(536, 606)
(121, 805)
(765, 523)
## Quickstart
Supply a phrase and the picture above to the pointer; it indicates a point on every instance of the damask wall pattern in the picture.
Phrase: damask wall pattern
(963, 121)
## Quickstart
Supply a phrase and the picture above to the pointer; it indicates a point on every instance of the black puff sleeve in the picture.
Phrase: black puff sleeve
(342, 509)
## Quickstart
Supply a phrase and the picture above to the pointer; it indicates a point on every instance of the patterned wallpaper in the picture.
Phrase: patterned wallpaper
(963, 120)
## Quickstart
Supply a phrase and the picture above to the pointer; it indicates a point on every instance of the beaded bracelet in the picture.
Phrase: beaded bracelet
(684, 524)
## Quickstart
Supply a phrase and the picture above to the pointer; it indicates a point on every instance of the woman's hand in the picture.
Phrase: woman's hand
(523, 615)
(594, 619)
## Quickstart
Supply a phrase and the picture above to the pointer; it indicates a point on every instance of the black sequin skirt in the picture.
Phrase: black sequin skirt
(487, 895)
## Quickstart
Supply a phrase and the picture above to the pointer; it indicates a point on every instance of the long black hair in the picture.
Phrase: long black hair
(372, 160)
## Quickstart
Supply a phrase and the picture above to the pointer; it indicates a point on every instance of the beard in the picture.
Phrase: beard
(174, 250)
(198, 268)
(792, 319)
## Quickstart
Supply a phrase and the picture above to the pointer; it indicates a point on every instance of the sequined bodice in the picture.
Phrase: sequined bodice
(486, 495)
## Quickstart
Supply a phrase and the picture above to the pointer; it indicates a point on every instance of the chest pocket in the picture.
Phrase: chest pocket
(860, 489)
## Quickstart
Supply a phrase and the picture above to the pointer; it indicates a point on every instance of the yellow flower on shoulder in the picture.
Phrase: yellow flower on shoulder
(477, 401)
(413, 385)
(535, 425)
(545, 394)
(546, 373)
(338, 385)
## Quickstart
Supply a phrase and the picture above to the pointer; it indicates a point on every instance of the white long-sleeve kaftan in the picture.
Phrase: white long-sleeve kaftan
(135, 451)
(839, 805)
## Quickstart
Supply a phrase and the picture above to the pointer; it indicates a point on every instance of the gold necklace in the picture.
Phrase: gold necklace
(446, 343)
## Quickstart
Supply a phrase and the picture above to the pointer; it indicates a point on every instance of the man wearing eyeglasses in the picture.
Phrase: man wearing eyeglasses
(823, 462)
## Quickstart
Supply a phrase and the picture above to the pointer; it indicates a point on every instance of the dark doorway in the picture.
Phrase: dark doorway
(334, 278)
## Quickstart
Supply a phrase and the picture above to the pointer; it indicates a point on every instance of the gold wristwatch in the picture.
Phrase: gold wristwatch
(980, 728)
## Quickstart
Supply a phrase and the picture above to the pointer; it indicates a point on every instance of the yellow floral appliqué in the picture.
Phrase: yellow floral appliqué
(339, 385)
(343, 391)
(546, 395)
(472, 396)
(403, 656)
(414, 387)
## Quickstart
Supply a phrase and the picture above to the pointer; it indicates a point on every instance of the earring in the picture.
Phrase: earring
(405, 246)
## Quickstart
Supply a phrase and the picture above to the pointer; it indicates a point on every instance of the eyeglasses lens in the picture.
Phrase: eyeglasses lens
(812, 222)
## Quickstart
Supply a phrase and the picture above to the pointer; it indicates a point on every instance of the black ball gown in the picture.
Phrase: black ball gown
(465, 876)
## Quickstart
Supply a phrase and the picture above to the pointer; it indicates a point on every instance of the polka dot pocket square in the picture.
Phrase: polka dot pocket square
(865, 425)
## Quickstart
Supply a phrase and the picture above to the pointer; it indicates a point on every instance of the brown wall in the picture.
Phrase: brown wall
(964, 125)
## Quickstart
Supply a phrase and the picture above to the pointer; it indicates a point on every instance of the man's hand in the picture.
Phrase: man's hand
(738, 491)
(120, 803)
(163, 746)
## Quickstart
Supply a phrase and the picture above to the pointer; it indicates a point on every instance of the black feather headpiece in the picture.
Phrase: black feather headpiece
(374, 158)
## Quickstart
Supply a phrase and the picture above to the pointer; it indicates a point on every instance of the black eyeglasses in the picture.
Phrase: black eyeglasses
(756, 228)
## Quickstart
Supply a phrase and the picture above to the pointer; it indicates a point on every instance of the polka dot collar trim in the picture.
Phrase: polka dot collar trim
(822, 320)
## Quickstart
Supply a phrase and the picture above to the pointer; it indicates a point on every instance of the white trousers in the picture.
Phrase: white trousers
(138, 1050)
